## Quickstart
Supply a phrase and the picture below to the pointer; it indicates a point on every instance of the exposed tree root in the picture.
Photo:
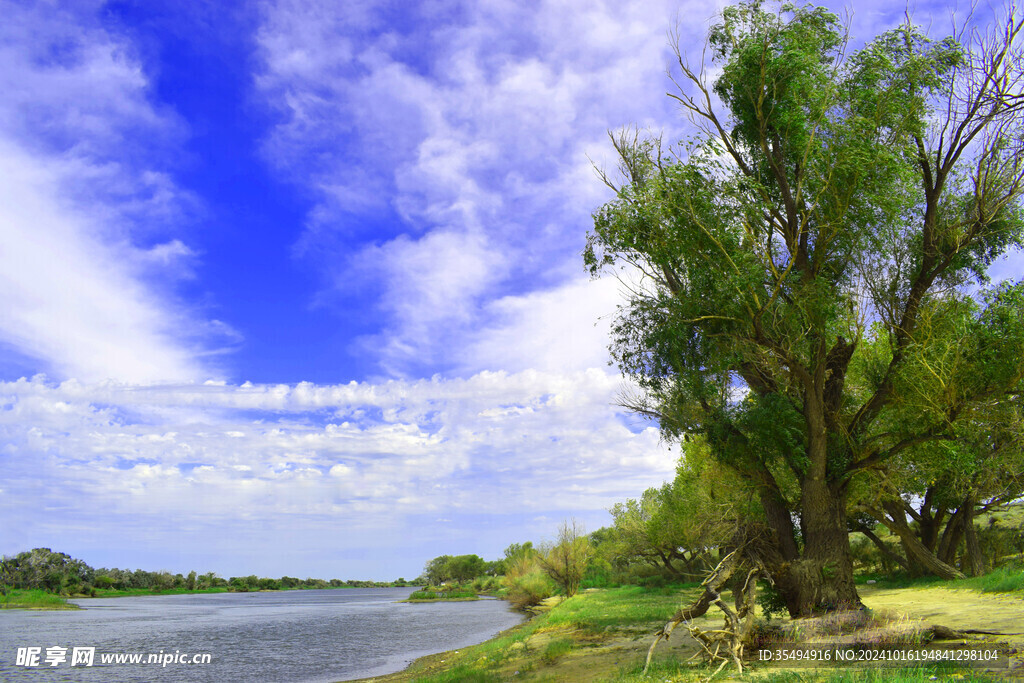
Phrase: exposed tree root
(725, 644)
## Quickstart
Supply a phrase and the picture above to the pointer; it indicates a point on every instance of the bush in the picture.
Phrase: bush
(566, 561)
(526, 584)
(999, 542)
(486, 584)
(770, 601)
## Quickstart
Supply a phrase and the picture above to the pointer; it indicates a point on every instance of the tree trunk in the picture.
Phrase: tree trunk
(916, 551)
(951, 536)
(975, 563)
(777, 512)
(930, 523)
(822, 580)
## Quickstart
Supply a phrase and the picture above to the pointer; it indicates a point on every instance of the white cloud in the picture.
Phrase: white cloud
(562, 329)
(360, 456)
(474, 128)
(473, 125)
(68, 299)
(88, 227)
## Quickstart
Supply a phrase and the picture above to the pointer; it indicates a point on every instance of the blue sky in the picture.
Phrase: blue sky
(296, 287)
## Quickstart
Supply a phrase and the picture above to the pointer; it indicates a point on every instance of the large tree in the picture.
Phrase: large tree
(799, 267)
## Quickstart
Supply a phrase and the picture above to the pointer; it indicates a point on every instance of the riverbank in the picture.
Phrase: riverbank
(602, 636)
(34, 599)
(586, 638)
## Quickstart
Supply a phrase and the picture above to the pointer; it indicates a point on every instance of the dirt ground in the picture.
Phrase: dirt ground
(958, 609)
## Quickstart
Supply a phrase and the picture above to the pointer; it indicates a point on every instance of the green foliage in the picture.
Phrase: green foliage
(814, 202)
(566, 560)
(454, 594)
(44, 569)
(59, 573)
(458, 568)
(526, 583)
(517, 551)
(486, 584)
(770, 601)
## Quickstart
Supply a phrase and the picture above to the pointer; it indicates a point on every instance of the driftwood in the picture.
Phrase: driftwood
(725, 644)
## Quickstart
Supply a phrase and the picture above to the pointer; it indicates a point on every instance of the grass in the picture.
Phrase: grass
(671, 670)
(432, 596)
(886, 675)
(556, 649)
(901, 580)
(569, 626)
(34, 599)
(662, 669)
(621, 607)
(582, 636)
(1006, 579)
(462, 674)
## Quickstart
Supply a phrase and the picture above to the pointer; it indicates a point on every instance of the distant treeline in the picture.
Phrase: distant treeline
(61, 574)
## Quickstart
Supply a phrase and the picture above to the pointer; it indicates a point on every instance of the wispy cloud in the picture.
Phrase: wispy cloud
(473, 126)
(89, 219)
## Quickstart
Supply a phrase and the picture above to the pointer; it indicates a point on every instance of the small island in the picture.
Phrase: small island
(442, 594)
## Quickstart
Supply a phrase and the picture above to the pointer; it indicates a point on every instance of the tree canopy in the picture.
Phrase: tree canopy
(807, 274)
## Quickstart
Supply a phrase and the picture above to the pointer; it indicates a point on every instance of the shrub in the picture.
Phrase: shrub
(566, 561)
(526, 584)
(486, 584)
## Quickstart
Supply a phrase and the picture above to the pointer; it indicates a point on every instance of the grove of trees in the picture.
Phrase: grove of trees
(809, 293)
(61, 574)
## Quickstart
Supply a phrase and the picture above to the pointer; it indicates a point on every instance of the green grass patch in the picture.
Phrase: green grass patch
(34, 599)
(461, 674)
(432, 596)
(675, 671)
(901, 580)
(556, 649)
(662, 669)
(621, 607)
(1006, 579)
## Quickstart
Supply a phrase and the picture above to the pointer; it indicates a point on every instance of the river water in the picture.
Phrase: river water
(299, 636)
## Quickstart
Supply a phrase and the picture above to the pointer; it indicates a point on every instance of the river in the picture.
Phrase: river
(300, 636)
